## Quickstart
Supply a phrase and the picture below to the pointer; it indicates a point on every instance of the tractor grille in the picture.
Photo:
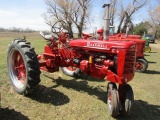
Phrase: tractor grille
(129, 62)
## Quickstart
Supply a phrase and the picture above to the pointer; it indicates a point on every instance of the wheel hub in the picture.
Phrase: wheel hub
(19, 67)
(139, 65)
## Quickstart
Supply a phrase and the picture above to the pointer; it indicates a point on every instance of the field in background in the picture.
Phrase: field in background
(59, 97)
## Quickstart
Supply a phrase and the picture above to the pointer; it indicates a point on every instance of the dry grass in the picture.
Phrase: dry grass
(59, 97)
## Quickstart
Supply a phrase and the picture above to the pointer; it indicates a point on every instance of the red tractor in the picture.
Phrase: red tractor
(141, 63)
(114, 60)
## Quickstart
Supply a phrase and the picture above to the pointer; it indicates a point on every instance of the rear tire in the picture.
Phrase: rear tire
(23, 66)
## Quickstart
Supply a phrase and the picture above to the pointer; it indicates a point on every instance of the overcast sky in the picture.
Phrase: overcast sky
(28, 14)
(23, 14)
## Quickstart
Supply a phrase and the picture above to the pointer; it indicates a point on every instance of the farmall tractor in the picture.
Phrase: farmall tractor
(141, 63)
(113, 60)
(142, 46)
(132, 37)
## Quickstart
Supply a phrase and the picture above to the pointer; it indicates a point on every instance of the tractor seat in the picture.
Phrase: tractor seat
(46, 36)
(100, 31)
(85, 36)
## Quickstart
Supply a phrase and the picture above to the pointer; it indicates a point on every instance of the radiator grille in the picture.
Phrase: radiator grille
(129, 62)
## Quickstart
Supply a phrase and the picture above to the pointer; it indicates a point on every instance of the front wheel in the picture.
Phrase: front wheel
(126, 98)
(112, 99)
(141, 65)
(23, 66)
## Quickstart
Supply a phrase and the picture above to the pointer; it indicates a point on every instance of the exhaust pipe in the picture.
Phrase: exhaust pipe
(127, 29)
(106, 23)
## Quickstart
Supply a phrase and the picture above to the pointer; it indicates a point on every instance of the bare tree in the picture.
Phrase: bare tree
(59, 11)
(121, 15)
(68, 13)
(82, 15)
(128, 11)
(154, 20)
(113, 9)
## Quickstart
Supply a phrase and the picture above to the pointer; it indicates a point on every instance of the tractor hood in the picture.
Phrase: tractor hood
(97, 45)
(128, 39)
(122, 36)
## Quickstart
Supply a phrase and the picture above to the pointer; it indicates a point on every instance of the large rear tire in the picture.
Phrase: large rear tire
(23, 66)
(112, 99)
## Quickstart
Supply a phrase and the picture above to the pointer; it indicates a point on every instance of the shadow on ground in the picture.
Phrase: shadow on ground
(90, 78)
(43, 94)
(152, 62)
(153, 52)
(152, 72)
(146, 55)
(7, 114)
(143, 111)
(81, 86)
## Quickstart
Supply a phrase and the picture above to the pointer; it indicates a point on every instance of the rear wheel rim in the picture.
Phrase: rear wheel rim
(17, 69)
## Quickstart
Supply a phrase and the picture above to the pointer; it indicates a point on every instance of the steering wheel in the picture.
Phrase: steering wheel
(55, 29)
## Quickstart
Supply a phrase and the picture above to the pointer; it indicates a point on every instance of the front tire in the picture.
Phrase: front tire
(126, 98)
(141, 65)
(112, 99)
(23, 66)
